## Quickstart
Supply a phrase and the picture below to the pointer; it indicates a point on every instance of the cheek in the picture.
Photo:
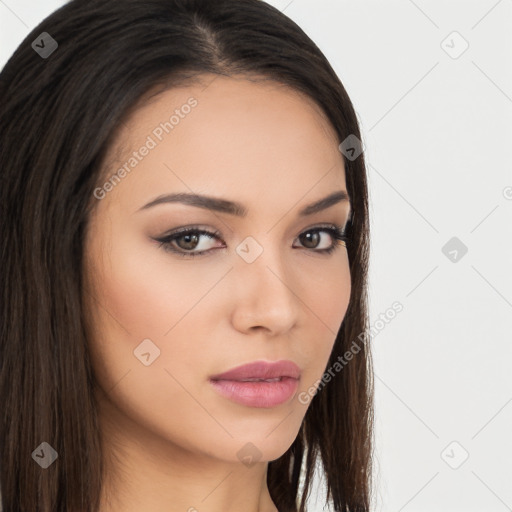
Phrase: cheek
(326, 297)
(145, 292)
(122, 310)
(140, 298)
(326, 293)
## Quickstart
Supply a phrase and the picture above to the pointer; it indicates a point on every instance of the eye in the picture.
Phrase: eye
(186, 242)
(312, 237)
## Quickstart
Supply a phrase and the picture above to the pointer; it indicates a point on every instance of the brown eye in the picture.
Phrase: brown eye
(313, 241)
(310, 239)
(190, 241)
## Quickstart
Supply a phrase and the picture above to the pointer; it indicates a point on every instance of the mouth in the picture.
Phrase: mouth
(259, 384)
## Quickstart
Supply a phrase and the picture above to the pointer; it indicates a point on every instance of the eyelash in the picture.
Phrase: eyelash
(335, 231)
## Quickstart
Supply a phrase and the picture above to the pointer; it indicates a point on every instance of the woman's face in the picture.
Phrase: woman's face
(164, 321)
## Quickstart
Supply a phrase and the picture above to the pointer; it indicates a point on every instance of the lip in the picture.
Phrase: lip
(261, 370)
(234, 385)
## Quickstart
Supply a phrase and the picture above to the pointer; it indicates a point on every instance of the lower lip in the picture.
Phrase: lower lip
(257, 394)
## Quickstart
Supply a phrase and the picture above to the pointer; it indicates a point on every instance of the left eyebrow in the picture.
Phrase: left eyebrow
(326, 202)
(235, 208)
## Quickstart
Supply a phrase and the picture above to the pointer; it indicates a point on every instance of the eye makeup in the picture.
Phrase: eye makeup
(194, 233)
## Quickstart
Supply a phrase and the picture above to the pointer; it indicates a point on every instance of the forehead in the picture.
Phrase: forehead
(249, 140)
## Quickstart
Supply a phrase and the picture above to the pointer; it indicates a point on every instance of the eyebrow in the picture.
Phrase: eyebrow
(237, 209)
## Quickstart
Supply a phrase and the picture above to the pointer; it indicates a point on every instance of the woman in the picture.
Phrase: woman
(184, 261)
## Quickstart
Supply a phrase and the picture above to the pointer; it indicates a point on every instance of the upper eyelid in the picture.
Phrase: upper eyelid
(213, 233)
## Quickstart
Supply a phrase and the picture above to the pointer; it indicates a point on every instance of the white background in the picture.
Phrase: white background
(438, 132)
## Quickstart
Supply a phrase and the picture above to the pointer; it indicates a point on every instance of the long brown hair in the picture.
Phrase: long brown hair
(58, 116)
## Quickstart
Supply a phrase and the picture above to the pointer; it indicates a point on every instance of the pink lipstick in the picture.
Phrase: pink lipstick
(259, 384)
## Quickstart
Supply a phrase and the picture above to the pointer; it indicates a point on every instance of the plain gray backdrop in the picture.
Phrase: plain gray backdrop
(431, 82)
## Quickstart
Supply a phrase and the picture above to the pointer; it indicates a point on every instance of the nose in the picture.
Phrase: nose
(264, 296)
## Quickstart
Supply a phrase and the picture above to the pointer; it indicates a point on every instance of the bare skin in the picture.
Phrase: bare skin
(171, 442)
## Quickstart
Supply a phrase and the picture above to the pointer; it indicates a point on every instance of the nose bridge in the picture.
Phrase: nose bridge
(265, 288)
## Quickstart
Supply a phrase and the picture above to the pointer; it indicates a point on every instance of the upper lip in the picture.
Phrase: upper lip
(261, 370)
